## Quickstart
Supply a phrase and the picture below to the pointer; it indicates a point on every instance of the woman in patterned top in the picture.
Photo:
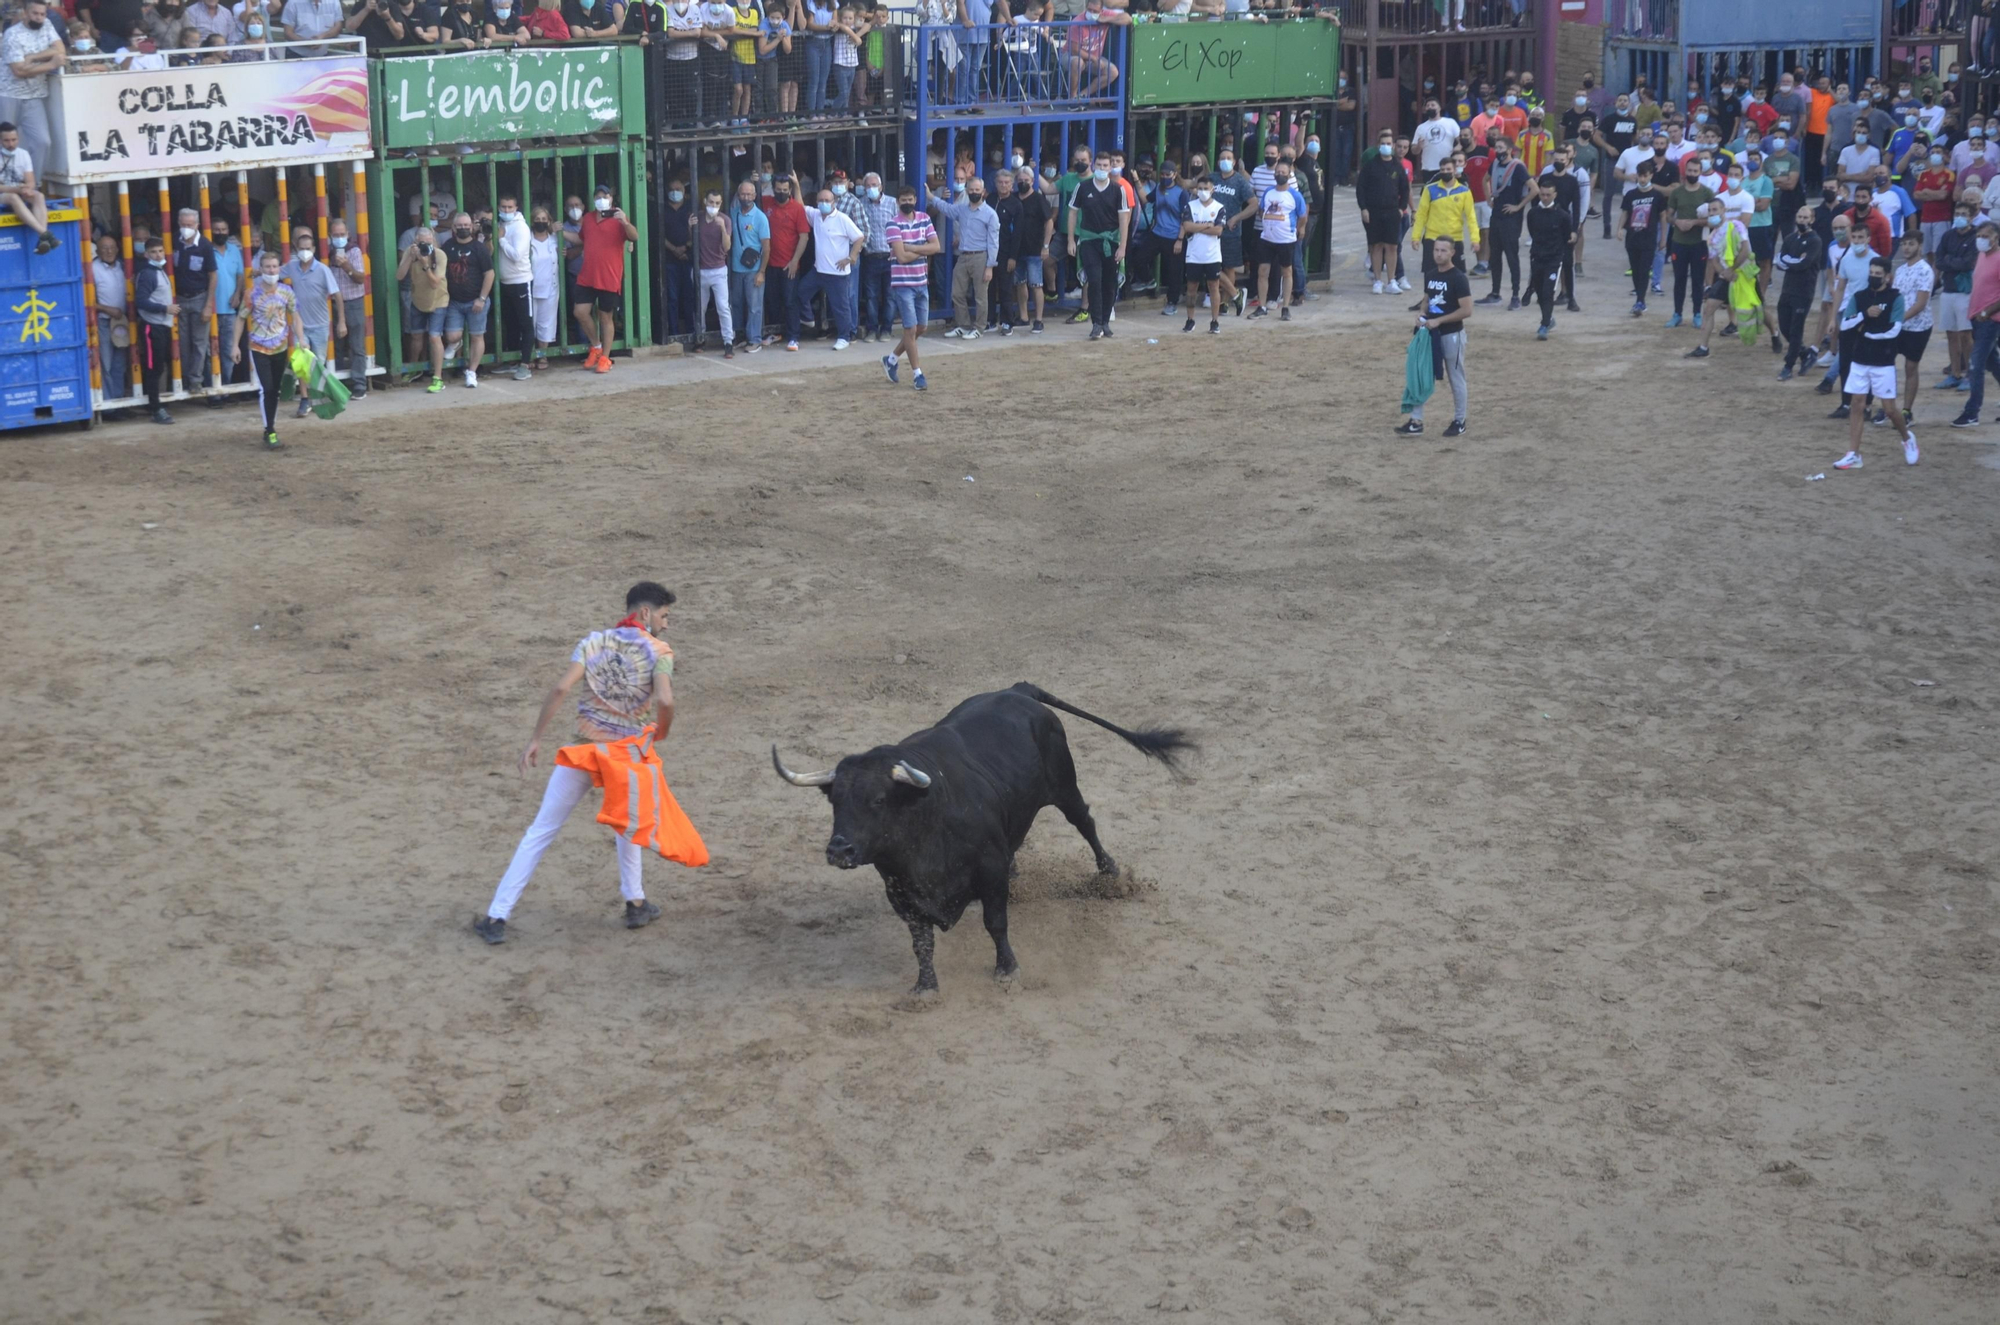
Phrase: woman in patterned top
(271, 328)
(627, 673)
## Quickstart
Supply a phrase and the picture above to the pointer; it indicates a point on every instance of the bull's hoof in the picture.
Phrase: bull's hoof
(919, 999)
(1106, 865)
(1007, 975)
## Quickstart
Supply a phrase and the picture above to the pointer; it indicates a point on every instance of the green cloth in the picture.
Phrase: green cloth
(1419, 373)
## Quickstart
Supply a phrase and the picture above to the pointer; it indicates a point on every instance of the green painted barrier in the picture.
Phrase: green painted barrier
(1178, 64)
(504, 96)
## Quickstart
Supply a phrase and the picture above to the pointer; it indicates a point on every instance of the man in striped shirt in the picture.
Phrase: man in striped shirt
(912, 242)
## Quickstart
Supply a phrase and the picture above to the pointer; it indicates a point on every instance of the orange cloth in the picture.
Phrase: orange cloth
(637, 803)
(1822, 102)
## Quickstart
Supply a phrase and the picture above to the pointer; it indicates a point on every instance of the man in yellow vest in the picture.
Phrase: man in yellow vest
(1444, 211)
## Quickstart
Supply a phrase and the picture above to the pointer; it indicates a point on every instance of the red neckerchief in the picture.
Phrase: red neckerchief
(631, 619)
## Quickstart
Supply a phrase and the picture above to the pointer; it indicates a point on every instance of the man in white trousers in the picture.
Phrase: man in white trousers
(628, 680)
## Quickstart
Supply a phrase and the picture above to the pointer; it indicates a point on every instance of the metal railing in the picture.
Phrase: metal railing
(772, 78)
(956, 69)
(211, 52)
(1643, 20)
(1413, 17)
(1927, 18)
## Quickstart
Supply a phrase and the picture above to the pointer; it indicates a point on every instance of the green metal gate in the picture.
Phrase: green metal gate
(421, 172)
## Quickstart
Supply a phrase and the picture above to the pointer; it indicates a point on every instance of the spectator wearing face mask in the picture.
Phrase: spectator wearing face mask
(1881, 239)
(1232, 189)
(1849, 276)
(350, 273)
(1730, 258)
(976, 232)
(423, 265)
(600, 280)
(546, 21)
(1551, 234)
(1098, 227)
(270, 329)
(837, 243)
(153, 299)
(749, 256)
(1202, 218)
(30, 50)
(1984, 306)
(545, 284)
(1799, 263)
(312, 20)
(1509, 181)
(1445, 310)
(1935, 188)
(877, 309)
(514, 274)
(316, 290)
(1444, 211)
(912, 243)
(1282, 209)
(1916, 280)
(469, 281)
(712, 247)
(1435, 139)
(194, 299)
(1875, 315)
(1687, 246)
(789, 228)
(1036, 231)
(1641, 212)
(1382, 192)
(1955, 255)
(1858, 159)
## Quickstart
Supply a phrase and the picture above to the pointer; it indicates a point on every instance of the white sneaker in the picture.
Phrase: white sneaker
(1114, 318)
(1378, 288)
(956, 333)
(1852, 460)
(840, 345)
(1204, 301)
(471, 377)
(972, 334)
(1910, 448)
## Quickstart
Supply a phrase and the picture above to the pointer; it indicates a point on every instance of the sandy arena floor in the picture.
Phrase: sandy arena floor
(1583, 909)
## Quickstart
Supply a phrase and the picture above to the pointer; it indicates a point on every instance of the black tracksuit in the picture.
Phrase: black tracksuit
(1799, 259)
(1551, 239)
(1510, 185)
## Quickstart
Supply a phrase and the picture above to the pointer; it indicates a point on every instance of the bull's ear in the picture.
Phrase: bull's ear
(910, 776)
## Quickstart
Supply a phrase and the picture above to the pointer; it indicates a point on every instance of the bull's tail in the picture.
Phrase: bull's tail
(1162, 743)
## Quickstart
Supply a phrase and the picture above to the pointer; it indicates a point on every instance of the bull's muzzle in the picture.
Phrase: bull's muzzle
(840, 853)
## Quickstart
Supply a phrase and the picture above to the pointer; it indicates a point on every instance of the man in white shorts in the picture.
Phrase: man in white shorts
(1876, 313)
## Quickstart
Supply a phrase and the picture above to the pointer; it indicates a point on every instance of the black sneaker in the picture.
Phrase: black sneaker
(1096, 333)
(1285, 313)
(1571, 306)
(638, 915)
(1698, 352)
(1839, 413)
(1410, 428)
(1777, 346)
(493, 931)
(1825, 388)
(1107, 331)
(271, 442)
(1190, 325)
(1214, 327)
(1514, 303)
(161, 416)
(1966, 421)
(1036, 330)
(1493, 298)
(1456, 428)
(1006, 328)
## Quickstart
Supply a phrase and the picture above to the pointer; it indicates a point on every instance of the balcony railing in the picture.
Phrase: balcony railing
(775, 77)
(210, 52)
(1411, 17)
(1016, 67)
(1928, 18)
(1643, 20)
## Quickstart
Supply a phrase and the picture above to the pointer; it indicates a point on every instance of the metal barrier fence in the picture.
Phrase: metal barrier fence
(426, 189)
(1414, 17)
(774, 76)
(696, 163)
(1015, 67)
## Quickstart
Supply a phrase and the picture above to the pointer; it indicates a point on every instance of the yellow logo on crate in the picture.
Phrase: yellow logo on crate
(38, 310)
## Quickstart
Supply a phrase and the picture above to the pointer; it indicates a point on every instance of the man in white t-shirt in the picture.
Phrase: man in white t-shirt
(1435, 139)
(18, 188)
(837, 244)
(1735, 203)
(30, 50)
(1859, 159)
(1626, 169)
(1281, 212)
(1202, 220)
(1678, 146)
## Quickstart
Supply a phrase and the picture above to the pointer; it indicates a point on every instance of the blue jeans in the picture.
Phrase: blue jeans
(971, 74)
(913, 305)
(876, 311)
(819, 58)
(1985, 335)
(843, 86)
(839, 291)
(746, 305)
(680, 298)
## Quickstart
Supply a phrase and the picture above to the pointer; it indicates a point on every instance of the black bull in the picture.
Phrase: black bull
(941, 814)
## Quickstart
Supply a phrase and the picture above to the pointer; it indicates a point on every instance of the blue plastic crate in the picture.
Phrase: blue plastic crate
(44, 340)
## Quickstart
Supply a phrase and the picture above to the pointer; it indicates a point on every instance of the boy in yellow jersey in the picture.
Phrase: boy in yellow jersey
(1444, 211)
(743, 60)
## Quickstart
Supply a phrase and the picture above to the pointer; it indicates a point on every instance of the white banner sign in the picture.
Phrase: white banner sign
(115, 125)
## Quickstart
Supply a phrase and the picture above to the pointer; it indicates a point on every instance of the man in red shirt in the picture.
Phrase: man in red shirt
(1757, 109)
(789, 227)
(603, 234)
(1511, 118)
(1477, 168)
(1933, 194)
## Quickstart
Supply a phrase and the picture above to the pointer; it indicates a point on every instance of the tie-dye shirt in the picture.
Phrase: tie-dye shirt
(618, 670)
(271, 310)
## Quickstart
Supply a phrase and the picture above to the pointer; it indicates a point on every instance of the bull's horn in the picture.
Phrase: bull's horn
(903, 772)
(799, 779)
